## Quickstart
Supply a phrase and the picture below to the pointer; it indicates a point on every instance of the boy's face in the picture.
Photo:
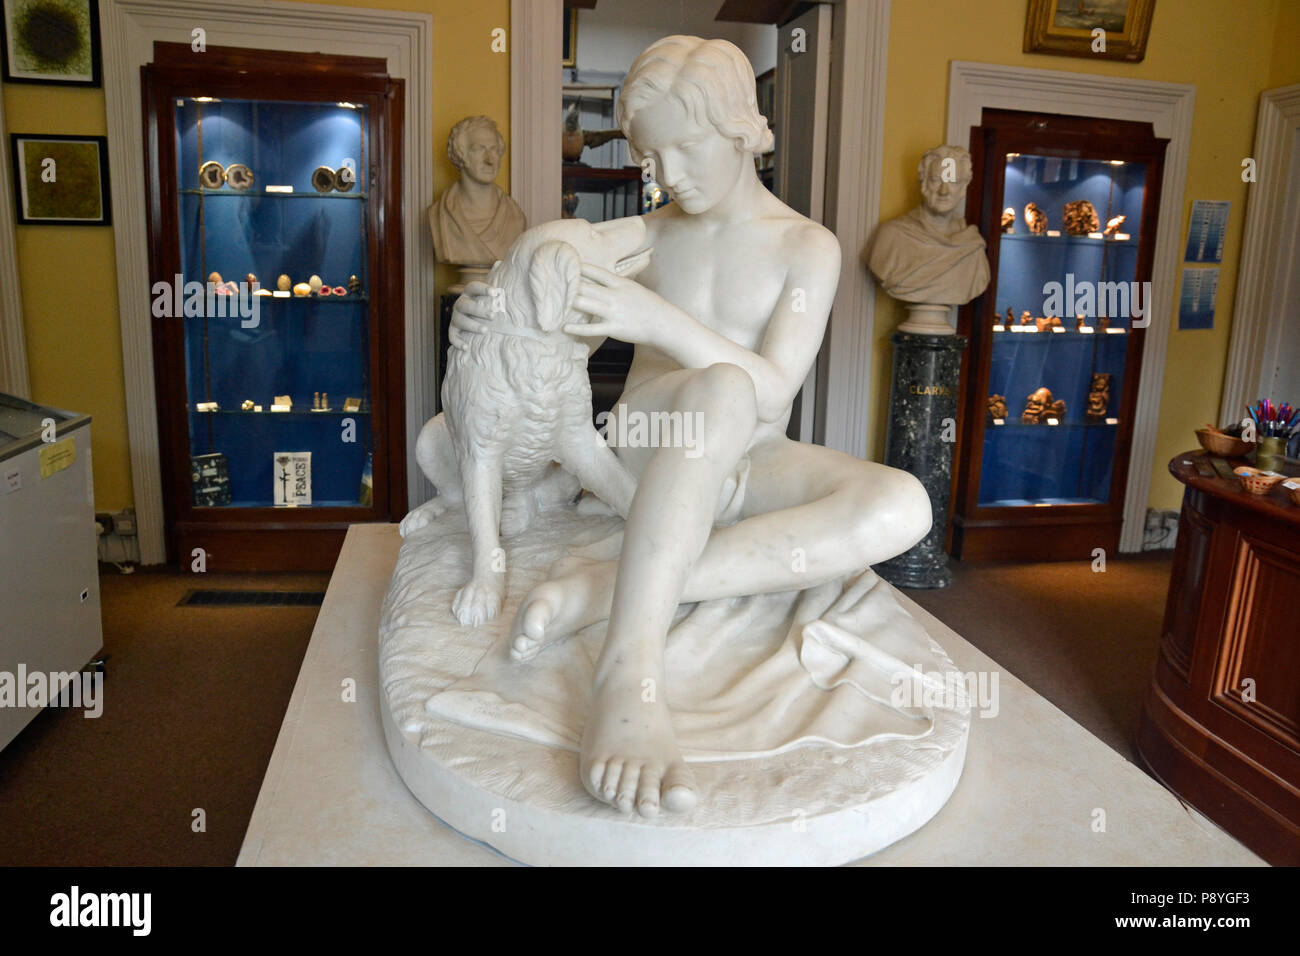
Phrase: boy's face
(696, 163)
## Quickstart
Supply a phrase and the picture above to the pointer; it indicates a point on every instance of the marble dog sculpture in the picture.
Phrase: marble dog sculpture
(516, 434)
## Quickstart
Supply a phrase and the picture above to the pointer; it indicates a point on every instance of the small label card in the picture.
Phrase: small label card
(291, 476)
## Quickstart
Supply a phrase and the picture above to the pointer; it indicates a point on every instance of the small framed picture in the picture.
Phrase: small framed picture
(51, 41)
(61, 180)
(1105, 29)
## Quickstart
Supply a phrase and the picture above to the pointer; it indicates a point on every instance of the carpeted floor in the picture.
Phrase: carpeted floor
(194, 698)
(1085, 640)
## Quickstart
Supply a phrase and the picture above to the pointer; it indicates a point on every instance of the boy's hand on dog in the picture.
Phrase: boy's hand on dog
(472, 308)
(622, 309)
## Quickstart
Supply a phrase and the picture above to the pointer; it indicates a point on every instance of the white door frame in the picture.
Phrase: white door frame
(13, 342)
(1269, 256)
(855, 150)
(1168, 107)
(128, 30)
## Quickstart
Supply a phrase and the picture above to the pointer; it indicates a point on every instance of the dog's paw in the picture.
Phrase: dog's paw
(517, 513)
(478, 602)
(419, 517)
(589, 504)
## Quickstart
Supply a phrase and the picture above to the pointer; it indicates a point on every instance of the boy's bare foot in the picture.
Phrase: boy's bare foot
(630, 757)
(577, 594)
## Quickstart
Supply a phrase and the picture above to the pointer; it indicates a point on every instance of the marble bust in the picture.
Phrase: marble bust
(716, 652)
(473, 222)
(930, 256)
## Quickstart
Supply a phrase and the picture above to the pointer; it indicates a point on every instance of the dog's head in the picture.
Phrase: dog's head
(541, 273)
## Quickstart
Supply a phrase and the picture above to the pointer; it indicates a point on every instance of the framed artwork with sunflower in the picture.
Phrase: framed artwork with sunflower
(51, 41)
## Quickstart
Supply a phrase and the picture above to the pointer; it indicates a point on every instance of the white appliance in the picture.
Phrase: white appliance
(49, 572)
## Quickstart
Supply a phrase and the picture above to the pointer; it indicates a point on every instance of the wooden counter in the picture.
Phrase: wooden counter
(1221, 722)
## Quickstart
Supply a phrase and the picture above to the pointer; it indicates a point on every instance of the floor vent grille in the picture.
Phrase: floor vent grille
(231, 598)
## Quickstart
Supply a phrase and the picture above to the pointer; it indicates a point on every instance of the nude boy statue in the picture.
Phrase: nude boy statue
(727, 320)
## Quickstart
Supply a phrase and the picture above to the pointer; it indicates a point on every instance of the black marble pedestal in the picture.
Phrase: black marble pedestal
(922, 433)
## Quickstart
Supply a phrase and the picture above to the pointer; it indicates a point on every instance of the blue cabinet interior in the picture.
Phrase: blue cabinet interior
(1069, 463)
(299, 345)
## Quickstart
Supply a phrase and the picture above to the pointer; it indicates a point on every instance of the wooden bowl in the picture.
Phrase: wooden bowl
(1225, 446)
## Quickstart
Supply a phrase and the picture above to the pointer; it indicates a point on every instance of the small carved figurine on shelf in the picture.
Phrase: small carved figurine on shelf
(1080, 322)
(1081, 218)
(1009, 220)
(1113, 224)
(1026, 318)
(1039, 407)
(1103, 322)
(1035, 218)
(354, 285)
(1042, 323)
(1010, 318)
(997, 407)
(1098, 396)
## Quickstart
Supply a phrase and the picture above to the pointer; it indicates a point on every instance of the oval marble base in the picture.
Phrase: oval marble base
(818, 803)
(542, 828)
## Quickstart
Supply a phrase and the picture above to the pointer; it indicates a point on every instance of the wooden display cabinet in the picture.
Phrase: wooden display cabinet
(1053, 489)
(268, 163)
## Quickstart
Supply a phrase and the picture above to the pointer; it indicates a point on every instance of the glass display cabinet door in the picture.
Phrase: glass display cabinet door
(276, 260)
(1065, 301)
(1067, 206)
(273, 225)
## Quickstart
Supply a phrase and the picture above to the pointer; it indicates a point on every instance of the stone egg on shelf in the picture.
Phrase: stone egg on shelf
(284, 283)
(302, 289)
(315, 283)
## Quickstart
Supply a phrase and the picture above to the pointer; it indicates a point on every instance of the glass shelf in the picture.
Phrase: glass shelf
(1066, 239)
(263, 194)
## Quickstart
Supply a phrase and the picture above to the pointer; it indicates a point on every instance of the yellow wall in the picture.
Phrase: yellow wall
(1230, 51)
(69, 274)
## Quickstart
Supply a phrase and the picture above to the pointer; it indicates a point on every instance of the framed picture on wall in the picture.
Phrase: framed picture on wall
(60, 180)
(569, 51)
(1107, 29)
(51, 41)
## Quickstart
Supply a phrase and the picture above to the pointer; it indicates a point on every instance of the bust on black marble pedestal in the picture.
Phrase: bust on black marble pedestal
(932, 260)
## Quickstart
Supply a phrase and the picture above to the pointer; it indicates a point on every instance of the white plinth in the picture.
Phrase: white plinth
(1032, 780)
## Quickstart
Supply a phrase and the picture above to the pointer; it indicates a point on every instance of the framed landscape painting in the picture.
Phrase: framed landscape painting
(51, 41)
(1068, 28)
(60, 180)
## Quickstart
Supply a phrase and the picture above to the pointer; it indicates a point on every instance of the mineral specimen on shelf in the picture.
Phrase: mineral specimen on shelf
(302, 289)
(1011, 318)
(1081, 218)
(246, 404)
(1103, 322)
(1039, 407)
(315, 283)
(1009, 220)
(997, 406)
(1080, 321)
(1035, 218)
(1042, 323)
(214, 278)
(284, 283)
(354, 284)
(1026, 318)
(1113, 224)
(1098, 396)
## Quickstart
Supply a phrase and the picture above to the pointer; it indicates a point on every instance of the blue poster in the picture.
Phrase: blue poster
(1196, 299)
(1206, 231)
